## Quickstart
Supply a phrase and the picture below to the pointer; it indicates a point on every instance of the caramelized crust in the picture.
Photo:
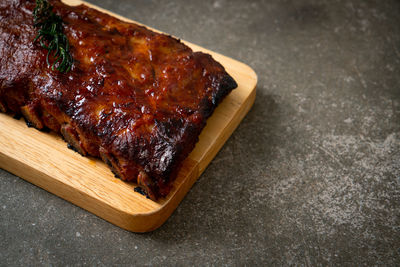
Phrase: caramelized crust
(136, 98)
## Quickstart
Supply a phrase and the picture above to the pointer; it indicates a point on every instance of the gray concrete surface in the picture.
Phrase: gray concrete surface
(311, 176)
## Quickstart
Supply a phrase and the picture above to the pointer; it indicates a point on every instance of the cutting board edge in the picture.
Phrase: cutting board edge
(151, 220)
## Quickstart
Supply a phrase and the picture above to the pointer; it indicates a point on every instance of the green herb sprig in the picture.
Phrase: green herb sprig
(51, 36)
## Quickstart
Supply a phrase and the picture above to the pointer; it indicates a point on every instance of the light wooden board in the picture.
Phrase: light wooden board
(44, 159)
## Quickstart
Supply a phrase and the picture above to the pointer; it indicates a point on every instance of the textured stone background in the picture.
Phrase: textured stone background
(310, 177)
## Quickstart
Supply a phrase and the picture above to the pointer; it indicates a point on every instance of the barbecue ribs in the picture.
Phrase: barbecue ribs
(136, 98)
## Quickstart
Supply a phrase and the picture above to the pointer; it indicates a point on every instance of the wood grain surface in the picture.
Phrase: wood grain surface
(44, 159)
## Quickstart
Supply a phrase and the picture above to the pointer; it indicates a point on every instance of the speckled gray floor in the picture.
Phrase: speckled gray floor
(311, 176)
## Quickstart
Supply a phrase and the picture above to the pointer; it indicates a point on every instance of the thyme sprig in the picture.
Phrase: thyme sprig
(51, 36)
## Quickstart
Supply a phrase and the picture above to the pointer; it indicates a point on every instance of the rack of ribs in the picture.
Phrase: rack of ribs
(135, 98)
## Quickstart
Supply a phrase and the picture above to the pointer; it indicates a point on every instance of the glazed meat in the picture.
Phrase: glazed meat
(135, 98)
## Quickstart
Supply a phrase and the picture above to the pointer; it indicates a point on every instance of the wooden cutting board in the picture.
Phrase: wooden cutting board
(44, 159)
